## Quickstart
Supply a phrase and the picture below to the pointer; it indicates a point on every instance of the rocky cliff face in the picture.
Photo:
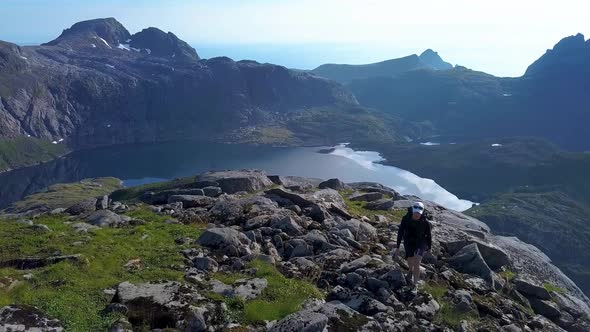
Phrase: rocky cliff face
(97, 84)
(323, 245)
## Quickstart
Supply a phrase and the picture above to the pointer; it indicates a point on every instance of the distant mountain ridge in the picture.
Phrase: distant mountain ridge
(346, 73)
(97, 84)
(550, 101)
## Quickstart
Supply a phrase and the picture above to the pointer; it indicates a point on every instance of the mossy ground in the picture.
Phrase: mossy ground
(358, 209)
(552, 288)
(509, 275)
(73, 291)
(67, 194)
(283, 296)
(272, 135)
(447, 315)
(133, 193)
(27, 151)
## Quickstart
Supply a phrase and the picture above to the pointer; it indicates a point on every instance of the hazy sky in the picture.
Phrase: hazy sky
(501, 37)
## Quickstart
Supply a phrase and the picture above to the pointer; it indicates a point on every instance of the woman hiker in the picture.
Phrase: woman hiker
(415, 231)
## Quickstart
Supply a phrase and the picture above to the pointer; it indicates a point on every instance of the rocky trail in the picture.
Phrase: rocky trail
(273, 253)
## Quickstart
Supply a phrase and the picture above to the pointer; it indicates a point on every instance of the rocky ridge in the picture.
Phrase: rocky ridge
(97, 84)
(474, 280)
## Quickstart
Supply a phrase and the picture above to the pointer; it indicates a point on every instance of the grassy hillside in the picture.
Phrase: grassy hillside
(464, 102)
(73, 291)
(65, 195)
(479, 170)
(22, 151)
(553, 221)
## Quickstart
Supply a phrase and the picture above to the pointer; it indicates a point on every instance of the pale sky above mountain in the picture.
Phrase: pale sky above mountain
(501, 37)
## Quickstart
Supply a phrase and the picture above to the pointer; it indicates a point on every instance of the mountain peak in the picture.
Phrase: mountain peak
(102, 32)
(160, 43)
(433, 60)
(572, 52)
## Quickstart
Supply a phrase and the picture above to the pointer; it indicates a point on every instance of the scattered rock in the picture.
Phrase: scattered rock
(333, 184)
(249, 289)
(227, 240)
(25, 222)
(302, 321)
(546, 308)
(107, 218)
(205, 264)
(287, 225)
(82, 227)
(121, 325)
(235, 181)
(355, 264)
(381, 204)
(57, 211)
(366, 197)
(362, 231)
(494, 256)
(531, 288)
(192, 201)
(157, 305)
(212, 191)
(102, 203)
(82, 207)
(26, 318)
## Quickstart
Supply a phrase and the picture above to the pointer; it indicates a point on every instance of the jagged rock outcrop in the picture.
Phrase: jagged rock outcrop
(571, 53)
(158, 43)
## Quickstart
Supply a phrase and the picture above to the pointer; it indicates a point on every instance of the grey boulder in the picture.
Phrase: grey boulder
(107, 218)
(26, 318)
(335, 184)
(380, 204)
(227, 240)
(366, 197)
(232, 182)
(469, 260)
(82, 207)
(192, 201)
(531, 288)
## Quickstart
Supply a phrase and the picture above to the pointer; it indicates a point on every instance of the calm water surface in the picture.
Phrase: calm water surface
(139, 164)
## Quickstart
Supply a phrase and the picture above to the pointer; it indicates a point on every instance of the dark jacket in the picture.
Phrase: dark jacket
(415, 233)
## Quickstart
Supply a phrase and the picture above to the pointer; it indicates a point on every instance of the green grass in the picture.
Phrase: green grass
(509, 275)
(552, 288)
(283, 296)
(447, 315)
(357, 209)
(271, 135)
(27, 151)
(146, 215)
(73, 291)
(437, 291)
(66, 195)
(451, 317)
(132, 193)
